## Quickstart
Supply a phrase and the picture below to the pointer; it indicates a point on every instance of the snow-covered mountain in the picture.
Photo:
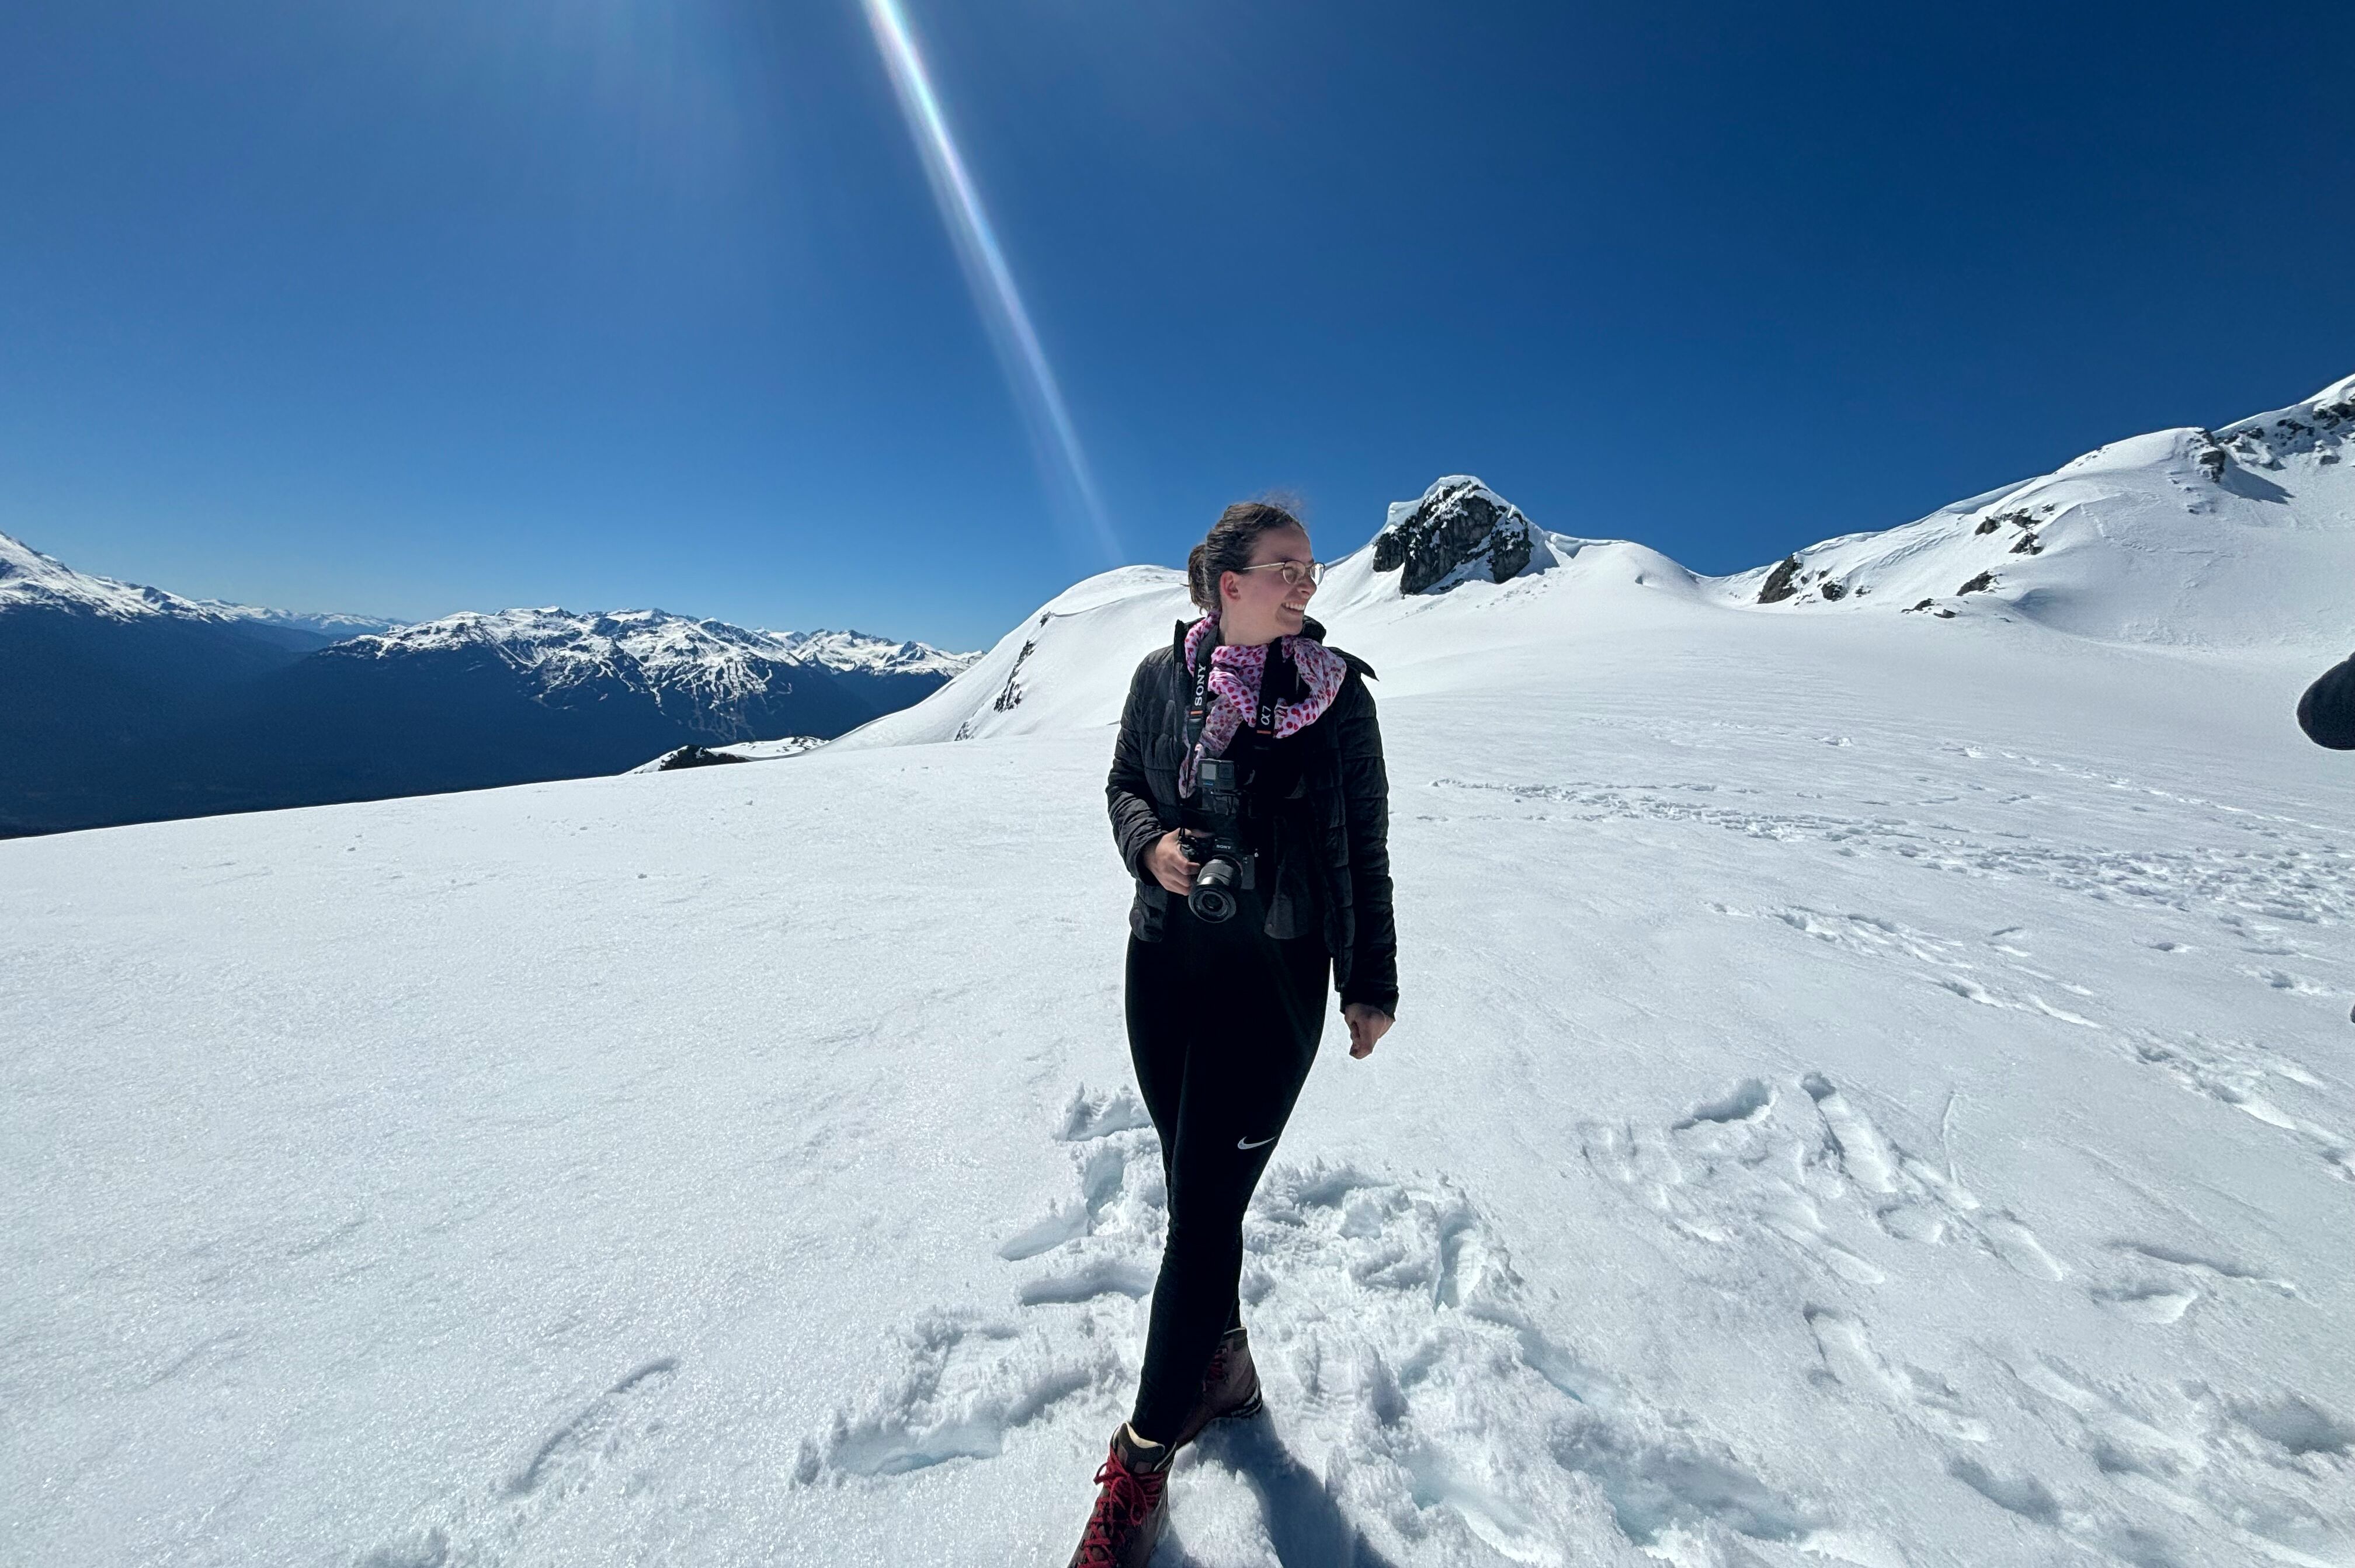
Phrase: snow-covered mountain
(1870, 1089)
(332, 626)
(2236, 536)
(717, 662)
(894, 674)
(721, 682)
(99, 679)
(1460, 531)
(128, 702)
(2241, 538)
(866, 652)
(29, 579)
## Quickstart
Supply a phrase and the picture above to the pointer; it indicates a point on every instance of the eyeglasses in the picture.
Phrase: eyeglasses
(1295, 572)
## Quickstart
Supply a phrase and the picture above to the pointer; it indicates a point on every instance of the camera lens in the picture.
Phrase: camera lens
(1213, 898)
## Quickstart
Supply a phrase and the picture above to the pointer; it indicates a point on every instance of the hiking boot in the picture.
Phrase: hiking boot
(1229, 1387)
(1132, 1509)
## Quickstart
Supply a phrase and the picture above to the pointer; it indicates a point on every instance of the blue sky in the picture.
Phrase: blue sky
(410, 307)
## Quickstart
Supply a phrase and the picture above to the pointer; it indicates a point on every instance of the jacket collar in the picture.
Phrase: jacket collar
(1310, 627)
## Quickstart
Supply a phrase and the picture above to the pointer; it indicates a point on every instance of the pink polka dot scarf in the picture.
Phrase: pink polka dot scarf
(1235, 677)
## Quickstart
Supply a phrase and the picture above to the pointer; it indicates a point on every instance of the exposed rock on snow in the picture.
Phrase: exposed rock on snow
(742, 752)
(2238, 536)
(1461, 531)
(687, 757)
(1781, 584)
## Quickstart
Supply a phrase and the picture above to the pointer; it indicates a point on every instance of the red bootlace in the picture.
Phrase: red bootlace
(1126, 1498)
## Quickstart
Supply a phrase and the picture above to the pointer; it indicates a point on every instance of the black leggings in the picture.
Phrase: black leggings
(1223, 1022)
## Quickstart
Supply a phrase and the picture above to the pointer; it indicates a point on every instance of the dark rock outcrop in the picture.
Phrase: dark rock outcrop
(694, 757)
(2212, 457)
(1782, 582)
(1461, 531)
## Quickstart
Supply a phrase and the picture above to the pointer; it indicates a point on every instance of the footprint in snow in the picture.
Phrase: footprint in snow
(593, 1450)
(1737, 1164)
(2309, 883)
(2167, 1281)
(2184, 1473)
(2248, 1078)
(1924, 1398)
(1418, 1392)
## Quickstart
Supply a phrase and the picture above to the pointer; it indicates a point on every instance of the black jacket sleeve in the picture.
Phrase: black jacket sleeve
(1135, 822)
(2327, 711)
(1366, 796)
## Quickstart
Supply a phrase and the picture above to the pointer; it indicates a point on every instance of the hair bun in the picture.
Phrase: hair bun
(1228, 545)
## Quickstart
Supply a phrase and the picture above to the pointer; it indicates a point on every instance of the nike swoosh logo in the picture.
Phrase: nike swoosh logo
(1246, 1143)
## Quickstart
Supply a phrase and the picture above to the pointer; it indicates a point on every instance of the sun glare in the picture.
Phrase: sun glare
(999, 301)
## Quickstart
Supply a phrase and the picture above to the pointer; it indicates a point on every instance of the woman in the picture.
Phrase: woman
(1224, 1014)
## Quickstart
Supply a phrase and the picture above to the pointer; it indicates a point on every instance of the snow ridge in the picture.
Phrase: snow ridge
(29, 578)
(2242, 537)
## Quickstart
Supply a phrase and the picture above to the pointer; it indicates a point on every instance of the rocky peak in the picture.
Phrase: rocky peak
(1461, 531)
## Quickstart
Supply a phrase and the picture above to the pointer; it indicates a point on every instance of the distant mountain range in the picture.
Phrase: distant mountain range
(123, 703)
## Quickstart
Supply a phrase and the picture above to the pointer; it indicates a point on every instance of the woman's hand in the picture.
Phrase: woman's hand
(1169, 865)
(1368, 1023)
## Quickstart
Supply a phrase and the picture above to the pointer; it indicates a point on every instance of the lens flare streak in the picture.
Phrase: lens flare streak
(1033, 379)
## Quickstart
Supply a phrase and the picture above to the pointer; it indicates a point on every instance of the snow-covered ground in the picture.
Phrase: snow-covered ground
(1870, 1088)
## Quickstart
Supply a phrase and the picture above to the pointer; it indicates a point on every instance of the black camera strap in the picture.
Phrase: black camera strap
(1279, 674)
(1198, 712)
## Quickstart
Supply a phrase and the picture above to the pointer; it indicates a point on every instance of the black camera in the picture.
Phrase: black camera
(1218, 849)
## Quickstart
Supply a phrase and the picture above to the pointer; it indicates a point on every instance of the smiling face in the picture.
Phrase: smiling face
(1261, 606)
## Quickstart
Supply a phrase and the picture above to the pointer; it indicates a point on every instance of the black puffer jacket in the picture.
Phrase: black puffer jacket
(2327, 711)
(1332, 855)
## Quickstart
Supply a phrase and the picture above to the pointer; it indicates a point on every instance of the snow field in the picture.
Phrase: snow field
(1865, 1093)
(1870, 1089)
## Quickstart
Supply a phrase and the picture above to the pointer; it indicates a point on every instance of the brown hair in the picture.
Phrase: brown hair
(1228, 545)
